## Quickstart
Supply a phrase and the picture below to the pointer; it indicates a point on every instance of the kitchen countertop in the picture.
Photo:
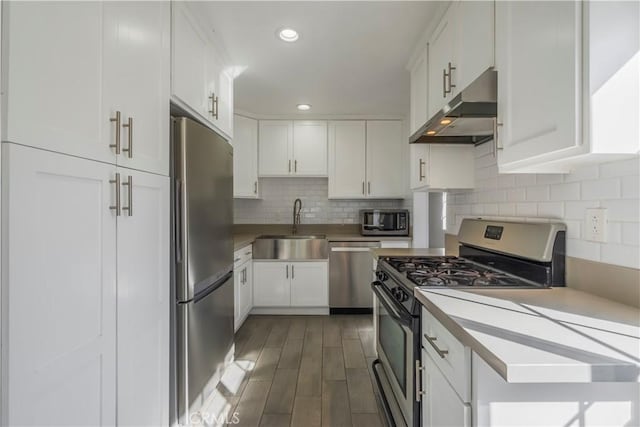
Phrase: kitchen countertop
(244, 239)
(556, 335)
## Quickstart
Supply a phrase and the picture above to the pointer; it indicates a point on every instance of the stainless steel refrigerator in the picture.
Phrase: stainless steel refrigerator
(203, 252)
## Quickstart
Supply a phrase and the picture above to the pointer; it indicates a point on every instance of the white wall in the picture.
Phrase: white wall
(565, 198)
(278, 195)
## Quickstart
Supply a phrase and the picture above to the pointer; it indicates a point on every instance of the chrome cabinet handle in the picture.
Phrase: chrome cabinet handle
(289, 166)
(293, 272)
(362, 187)
(129, 126)
(214, 105)
(287, 273)
(431, 340)
(117, 206)
(369, 187)
(129, 184)
(117, 120)
(448, 77)
(444, 83)
(419, 392)
(255, 187)
(422, 163)
(295, 166)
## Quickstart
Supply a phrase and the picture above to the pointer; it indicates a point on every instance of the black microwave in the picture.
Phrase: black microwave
(384, 222)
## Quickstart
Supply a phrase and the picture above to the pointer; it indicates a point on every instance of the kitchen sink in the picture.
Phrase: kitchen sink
(290, 247)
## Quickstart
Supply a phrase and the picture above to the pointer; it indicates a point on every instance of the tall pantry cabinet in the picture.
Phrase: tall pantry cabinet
(85, 213)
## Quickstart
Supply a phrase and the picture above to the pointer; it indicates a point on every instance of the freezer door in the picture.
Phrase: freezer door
(205, 338)
(203, 174)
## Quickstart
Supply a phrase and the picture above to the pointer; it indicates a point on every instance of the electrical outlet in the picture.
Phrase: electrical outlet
(596, 225)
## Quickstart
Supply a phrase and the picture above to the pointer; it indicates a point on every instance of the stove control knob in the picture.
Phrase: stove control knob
(382, 276)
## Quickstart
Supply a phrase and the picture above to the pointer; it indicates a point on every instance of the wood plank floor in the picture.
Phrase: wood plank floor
(303, 371)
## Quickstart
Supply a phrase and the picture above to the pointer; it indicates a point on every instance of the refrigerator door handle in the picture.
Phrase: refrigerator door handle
(178, 219)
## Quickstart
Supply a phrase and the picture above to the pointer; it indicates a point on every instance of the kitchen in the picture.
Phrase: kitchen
(200, 201)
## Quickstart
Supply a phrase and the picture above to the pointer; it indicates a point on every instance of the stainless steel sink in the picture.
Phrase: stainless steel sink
(291, 247)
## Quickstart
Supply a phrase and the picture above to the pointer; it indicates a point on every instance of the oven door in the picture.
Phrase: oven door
(394, 342)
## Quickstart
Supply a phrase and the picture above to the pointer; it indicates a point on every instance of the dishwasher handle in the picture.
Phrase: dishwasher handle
(343, 249)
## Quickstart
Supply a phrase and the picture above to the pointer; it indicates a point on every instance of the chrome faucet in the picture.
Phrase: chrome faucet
(297, 207)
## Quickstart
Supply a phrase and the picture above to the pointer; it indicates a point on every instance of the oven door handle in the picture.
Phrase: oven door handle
(398, 316)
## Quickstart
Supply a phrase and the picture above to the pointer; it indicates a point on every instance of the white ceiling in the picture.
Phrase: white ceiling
(350, 59)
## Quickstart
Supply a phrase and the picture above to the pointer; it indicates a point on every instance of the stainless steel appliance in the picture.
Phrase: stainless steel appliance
(202, 172)
(493, 254)
(384, 222)
(470, 117)
(350, 272)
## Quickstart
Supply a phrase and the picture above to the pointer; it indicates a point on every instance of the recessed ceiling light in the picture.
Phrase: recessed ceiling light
(304, 107)
(288, 34)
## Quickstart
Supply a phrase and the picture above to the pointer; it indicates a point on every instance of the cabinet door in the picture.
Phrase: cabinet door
(310, 148)
(274, 146)
(238, 278)
(271, 284)
(442, 52)
(245, 158)
(441, 406)
(189, 56)
(61, 288)
(53, 61)
(136, 81)
(419, 154)
(386, 171)
(224, 107)
(538, 61)
(347, 164)
(419, 93)
(475, 53)
(143, 299)
(309, 284)
(246, 291)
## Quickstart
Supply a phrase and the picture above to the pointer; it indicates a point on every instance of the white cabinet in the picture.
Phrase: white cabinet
(419, 113)
(100, 59)
(554, 118)
(143, 300)
(243, 284)
(99, 294)
(442, 166)
(441, 406)
(271, 284)
(365, 159)
(309, 284)
(443, 84)
(395, 244)
(538, 52)
(290, 284)
(245, 158)
(347, 159)
(384, 159)
(200, 83)
(292, 148)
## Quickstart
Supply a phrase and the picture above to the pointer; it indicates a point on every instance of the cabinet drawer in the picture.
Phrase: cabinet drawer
(449, 354)
(242, 255)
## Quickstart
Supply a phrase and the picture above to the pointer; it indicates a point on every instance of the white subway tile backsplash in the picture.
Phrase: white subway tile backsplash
(525, 180)
(583, 249)
(583, 173)
(538, 193)
(601, 189)
(622, 210)
(549, 179)
(628, 256)
(526, 209)
(620, 168)
(574, 229)
(578, 210)
(517, 195)
(631, 233)
(563, 192)
(613, 233)
(553, 210)
(507, 209)
(630, 186)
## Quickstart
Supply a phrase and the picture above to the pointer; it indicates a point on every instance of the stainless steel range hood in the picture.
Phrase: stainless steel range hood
(469, 118)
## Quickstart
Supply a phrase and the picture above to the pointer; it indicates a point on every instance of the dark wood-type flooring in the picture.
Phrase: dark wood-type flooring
(303, 371)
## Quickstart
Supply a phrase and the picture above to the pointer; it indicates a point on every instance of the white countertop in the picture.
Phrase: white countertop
(556, 335)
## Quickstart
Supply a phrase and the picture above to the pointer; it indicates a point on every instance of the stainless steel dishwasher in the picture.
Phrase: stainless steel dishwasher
(350, 276)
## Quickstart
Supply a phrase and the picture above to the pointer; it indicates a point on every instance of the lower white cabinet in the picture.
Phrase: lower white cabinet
(441, 406)
(442, 166)
(242, 285)
(290, 284)
(395, 244)
(85, 292)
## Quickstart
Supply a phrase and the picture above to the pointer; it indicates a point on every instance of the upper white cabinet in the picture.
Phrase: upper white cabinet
(565, 97)
(475, 47)
(292, 148)
(442, 166)
(199, 81)
(94, 77)
(384, 159)
(419, 113)
(245, 158)
(365, 159)
(443, 70)
(347, 159)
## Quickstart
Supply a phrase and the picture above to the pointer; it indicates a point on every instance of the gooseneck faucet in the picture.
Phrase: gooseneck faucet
(297, 207)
